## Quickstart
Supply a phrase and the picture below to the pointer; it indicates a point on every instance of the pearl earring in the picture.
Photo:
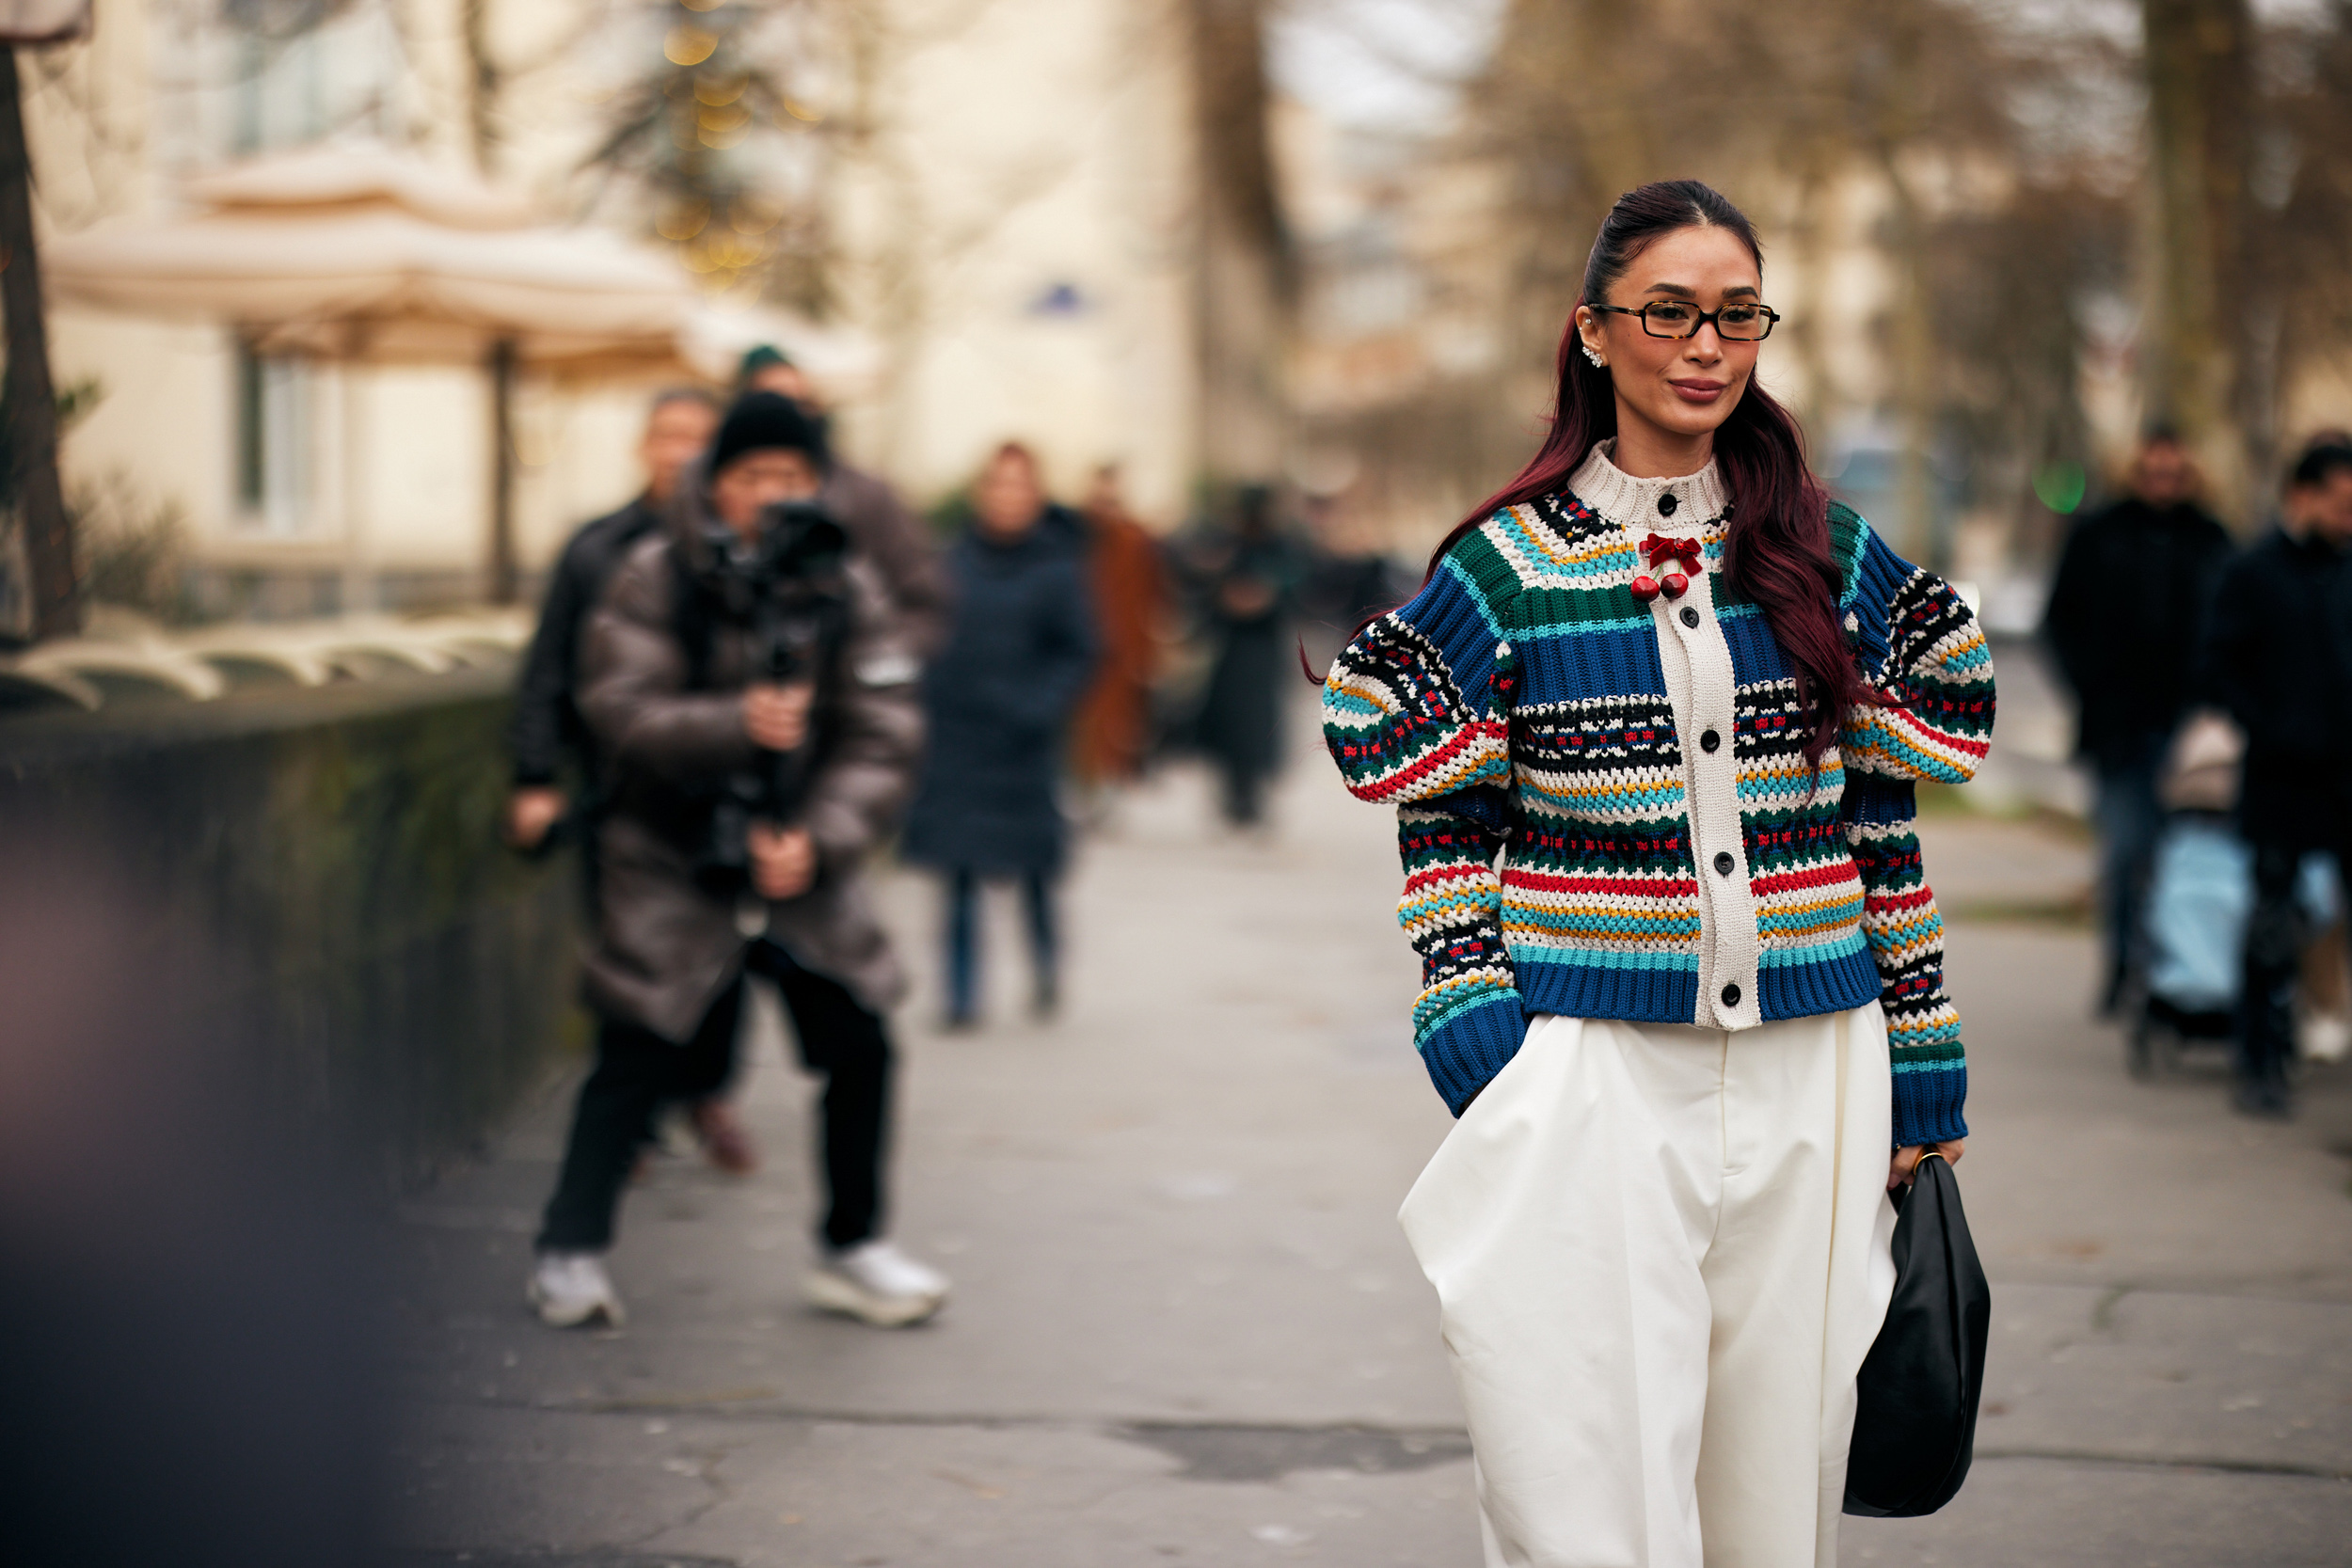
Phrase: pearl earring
(1597, 361)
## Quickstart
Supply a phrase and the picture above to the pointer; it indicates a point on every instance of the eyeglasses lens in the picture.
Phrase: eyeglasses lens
(1743, 323)
(1673, 318)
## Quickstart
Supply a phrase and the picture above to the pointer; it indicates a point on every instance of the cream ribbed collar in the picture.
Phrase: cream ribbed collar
(1631, 502)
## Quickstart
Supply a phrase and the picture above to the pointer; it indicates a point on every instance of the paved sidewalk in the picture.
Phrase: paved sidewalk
(1188, 1330)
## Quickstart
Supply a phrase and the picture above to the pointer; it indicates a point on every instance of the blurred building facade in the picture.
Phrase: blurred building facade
(1007, 207)
(1965, 212)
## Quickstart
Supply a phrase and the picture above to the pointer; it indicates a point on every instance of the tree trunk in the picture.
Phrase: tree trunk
(1914, 526)
(482, 85)
(1244, 262)
(2199, 63)
(504, 578)
(30, 399)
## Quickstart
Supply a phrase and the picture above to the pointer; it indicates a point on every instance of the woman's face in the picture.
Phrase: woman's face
(1008, 497)
(1683, 387)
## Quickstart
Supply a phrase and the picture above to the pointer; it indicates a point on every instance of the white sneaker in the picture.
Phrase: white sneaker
(875, 1281)
(571, 1288)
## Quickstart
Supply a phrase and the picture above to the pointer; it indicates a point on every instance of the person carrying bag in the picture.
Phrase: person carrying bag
(1915, 1399)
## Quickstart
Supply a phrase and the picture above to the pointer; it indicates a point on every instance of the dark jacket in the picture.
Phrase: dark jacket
(665, 947)
(2279, 657)
(2134, 588)
(1247, 588)
(998, 699)
(901, 550)
(546, 729)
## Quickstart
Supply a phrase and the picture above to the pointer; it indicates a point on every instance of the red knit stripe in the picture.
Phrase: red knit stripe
(1423, 767)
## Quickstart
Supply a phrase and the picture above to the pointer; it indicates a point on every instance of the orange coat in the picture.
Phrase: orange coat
(1113, 732)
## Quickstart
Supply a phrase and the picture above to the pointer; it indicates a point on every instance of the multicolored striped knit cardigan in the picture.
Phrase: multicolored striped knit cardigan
(1519, 704)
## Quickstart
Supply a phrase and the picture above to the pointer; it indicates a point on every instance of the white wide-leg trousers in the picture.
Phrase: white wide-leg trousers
(1660, 1256)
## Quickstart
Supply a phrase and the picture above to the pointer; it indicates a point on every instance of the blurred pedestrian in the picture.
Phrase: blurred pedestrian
(1245, 581)
(1694, 1025)
(2280, 658)
(749, 683)
(879, 523)
(548, 735)
(1351, 578)
(882, 530)
(2133, 586)
(998, 700)
(1130, 594)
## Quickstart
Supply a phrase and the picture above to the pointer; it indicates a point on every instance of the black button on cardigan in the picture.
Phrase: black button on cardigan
(1666, 504)
(1731, 996)
(1689, 616)
(1711, 741)
(1723, 862)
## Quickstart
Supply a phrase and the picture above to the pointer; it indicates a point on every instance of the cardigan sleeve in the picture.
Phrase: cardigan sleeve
(1920, 649)
(1905, 931)
(1417, 714)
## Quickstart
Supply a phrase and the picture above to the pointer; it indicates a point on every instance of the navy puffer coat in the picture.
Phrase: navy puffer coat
(999, 697)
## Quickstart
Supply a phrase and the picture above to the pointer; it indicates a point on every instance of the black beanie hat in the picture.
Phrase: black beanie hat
(759, 421)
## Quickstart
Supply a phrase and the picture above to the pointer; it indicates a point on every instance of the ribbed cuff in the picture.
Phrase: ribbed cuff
(1927, 1105)
(1464, 1052)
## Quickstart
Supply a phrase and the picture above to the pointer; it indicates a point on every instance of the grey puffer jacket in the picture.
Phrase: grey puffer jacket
(665, 947)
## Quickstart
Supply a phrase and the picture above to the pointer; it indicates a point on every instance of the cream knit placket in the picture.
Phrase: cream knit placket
(1700, 687)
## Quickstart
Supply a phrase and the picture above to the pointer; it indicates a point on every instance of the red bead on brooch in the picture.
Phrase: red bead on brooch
(1682, 552)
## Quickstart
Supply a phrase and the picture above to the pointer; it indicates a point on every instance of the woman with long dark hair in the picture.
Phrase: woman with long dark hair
(1686, 699)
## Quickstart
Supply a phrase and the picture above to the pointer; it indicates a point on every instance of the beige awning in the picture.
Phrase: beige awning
(369, 254)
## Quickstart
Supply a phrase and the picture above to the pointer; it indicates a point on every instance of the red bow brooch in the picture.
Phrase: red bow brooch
(1662, 549)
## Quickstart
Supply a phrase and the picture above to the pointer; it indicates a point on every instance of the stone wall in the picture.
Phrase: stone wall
(307, 885)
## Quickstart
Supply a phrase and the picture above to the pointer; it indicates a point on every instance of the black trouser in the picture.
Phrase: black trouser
(2276, 935)
(963, 938)
(2130, 819)
(637, 1072)
(1244, 797)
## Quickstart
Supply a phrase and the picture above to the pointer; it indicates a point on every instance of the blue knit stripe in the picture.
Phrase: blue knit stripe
(1928, 1106)
(1830, 985)
(1756, 658)
(1591, 661)
(1469, 602)
(1642, 988)
(1465, 1051)
(1452, 613)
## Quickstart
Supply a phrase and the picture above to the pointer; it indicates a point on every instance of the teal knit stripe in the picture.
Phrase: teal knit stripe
(1656, 960)
(1521, 919)
(1811, 954)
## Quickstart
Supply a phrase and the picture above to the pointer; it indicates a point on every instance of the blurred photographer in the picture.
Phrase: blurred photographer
(549, 739)
(758, 716)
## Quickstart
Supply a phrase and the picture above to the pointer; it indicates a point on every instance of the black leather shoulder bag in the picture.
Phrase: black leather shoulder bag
(1916, 1418)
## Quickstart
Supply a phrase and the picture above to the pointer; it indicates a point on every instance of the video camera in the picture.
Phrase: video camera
(789, 589)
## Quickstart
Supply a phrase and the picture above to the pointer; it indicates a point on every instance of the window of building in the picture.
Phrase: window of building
(275, 428)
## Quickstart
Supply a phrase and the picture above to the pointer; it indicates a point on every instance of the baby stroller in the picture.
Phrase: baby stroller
(2189, 949)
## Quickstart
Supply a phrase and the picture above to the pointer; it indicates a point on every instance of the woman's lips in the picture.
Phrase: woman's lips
(1698, 392)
